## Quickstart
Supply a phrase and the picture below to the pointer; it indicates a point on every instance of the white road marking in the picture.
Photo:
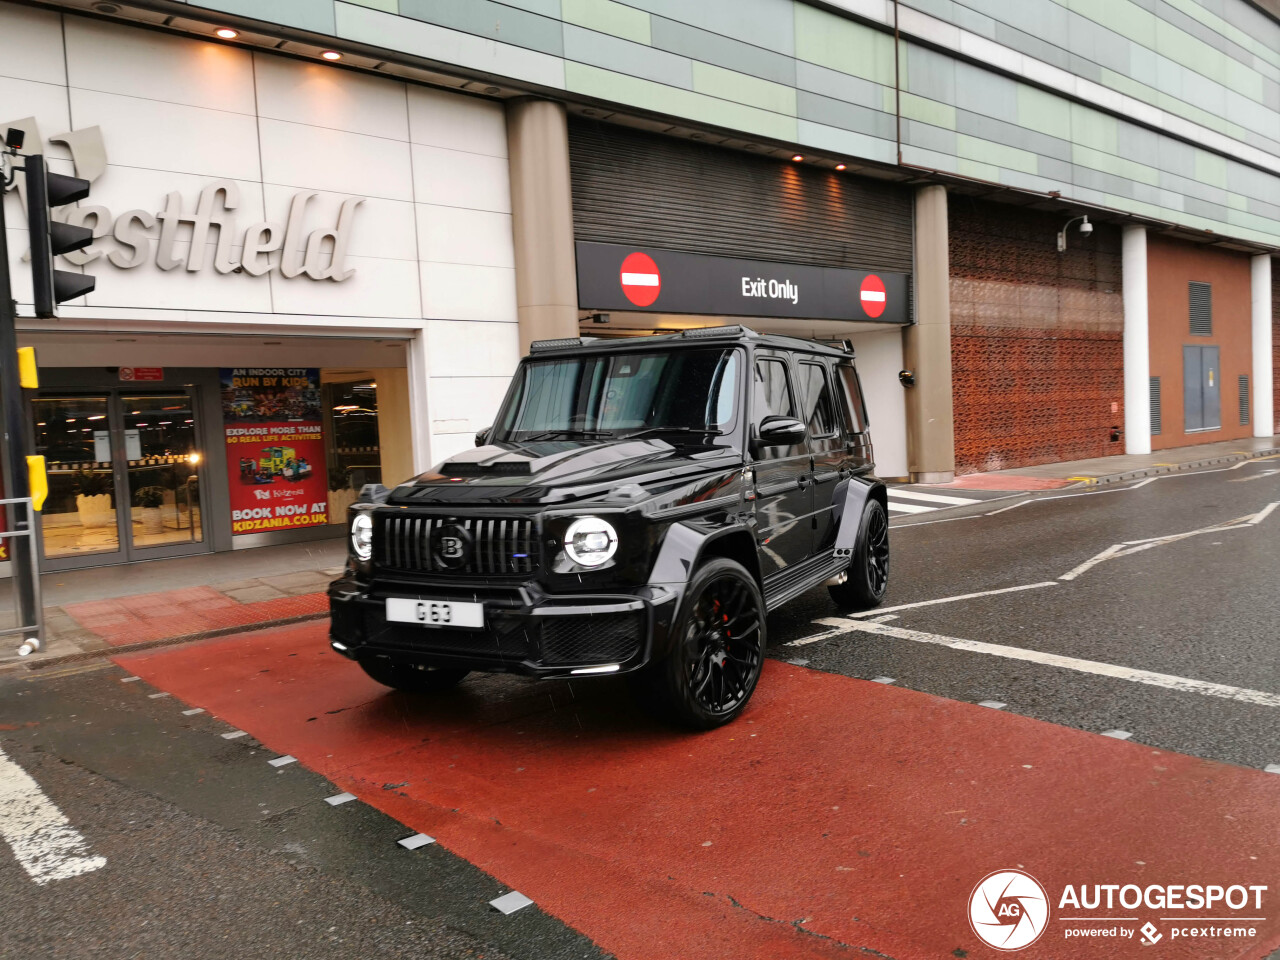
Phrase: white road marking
(1272, 768)
(1169, 682)
(1256, 476)
(869, 614)
(1117, 734)
(909, 508)
(234, 735)
(339, 798)
(42, 839)
(933, 497)
(813, 639)
(993, 704)
(193, 711)
(1131, 547)
(283, 761)
(884, 680)
(416, 841)
(509, 903)
(884, 617)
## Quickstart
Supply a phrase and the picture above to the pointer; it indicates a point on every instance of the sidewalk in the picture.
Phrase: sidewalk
(1118, 468)
(91, 611)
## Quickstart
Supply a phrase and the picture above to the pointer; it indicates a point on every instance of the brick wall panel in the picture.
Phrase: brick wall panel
(1037, 352)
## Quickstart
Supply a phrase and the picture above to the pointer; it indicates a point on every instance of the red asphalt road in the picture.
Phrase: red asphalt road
(836, 818)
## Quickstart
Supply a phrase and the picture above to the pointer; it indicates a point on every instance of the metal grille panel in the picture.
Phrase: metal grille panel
(1155, 406)
(604, 638)
(1201, 297)
(1244, 400)
(499, 546)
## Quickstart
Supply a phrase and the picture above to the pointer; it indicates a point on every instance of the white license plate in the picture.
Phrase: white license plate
(435, 613)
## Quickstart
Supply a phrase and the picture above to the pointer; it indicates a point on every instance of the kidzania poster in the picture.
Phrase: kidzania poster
(275, 448)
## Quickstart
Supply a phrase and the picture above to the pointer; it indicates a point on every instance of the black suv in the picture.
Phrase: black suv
(638, 507)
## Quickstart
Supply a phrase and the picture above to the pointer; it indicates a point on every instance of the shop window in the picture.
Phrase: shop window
(1244, 401)
(353, 449)
(1201, 299)
(1155, 406)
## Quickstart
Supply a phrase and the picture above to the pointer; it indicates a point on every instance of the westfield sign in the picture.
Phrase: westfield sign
(179, 234)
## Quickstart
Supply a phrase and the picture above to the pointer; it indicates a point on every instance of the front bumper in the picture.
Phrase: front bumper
(526, 631)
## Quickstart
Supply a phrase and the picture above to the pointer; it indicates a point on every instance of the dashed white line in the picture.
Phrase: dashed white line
(1148, 677)
(932, 497)
(909, 507)
(42, 839)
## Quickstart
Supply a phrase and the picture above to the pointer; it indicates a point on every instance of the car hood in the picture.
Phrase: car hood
(563, 471)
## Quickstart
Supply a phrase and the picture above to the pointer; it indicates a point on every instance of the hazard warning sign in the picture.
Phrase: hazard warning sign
(873, 296)
(641, 281)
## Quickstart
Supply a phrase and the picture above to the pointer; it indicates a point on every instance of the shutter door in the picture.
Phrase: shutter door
(651, 190)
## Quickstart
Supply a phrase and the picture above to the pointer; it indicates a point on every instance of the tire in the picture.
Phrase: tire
(868, 573)
(411, 678)
(717, 650)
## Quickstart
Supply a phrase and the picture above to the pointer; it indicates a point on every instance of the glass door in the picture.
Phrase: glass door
(80, 515)
(124, 476)
(162, 470)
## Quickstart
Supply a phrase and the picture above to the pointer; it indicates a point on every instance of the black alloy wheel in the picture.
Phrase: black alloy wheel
(412, 678)
(717, 650)
(868, 574)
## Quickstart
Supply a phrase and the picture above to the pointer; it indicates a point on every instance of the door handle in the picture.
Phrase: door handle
(803, 480)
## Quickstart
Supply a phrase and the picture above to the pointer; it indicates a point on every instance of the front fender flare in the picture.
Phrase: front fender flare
(849, 501)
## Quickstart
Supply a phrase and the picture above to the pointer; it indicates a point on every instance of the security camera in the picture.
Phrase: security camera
(13, 139)
(907, 378)
(1086, 227)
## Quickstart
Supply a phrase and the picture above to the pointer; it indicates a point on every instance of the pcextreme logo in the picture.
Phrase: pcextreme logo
(175, 236)
(1008, 910)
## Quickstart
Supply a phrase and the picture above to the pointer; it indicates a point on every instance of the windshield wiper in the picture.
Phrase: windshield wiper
(702, 431)
(568, 434)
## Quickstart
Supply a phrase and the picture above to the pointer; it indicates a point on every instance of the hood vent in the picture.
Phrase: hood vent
(501, 468)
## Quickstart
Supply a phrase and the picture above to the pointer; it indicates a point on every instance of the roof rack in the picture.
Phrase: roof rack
(540, 345)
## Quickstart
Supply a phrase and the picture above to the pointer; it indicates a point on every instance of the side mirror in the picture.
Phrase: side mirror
(780, 432)
(482, 436)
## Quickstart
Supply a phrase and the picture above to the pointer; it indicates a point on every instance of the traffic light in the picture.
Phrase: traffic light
(49, 238)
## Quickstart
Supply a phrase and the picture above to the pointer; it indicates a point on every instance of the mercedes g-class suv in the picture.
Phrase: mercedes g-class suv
(638, 507)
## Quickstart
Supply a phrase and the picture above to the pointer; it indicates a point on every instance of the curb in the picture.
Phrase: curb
(1156, 471)
(35, 665)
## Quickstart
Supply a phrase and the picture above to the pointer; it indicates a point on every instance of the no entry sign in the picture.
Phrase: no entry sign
(872, 295)
(641, 281)
(617, 277)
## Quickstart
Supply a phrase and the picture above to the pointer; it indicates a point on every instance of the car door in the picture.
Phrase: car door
(827, 449)
(784, 494)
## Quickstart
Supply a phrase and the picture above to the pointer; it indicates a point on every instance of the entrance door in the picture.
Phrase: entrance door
(124, 477)
(1201, 388)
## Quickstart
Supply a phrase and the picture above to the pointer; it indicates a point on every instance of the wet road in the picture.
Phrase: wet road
(837, 818)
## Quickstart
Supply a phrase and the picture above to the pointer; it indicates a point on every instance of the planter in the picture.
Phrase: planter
(95, 511)
(152, 520)
(339, 500)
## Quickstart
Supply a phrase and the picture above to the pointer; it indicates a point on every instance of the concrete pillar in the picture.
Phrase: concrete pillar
(542, 220)
(1263, 372)
(931, 441)
(1137, 344)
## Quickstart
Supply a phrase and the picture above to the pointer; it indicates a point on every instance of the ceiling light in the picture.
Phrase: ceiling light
(226, 33)
(840, 166)
(331, 55)
(797, 157)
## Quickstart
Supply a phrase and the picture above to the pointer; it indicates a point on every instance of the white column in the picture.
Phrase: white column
(419, 401)
(1137, 346)
(1263, 374)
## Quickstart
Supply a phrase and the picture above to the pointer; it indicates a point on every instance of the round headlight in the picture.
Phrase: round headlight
(362, 536)
(590, 541)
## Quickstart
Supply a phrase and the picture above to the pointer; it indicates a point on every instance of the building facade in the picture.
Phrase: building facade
(325, 230)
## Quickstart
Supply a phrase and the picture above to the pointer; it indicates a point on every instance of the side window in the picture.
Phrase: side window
(772, 390)
(818, 412)
(854, 410)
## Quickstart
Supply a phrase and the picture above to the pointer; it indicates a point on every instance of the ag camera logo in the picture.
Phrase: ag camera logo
(1008, 910)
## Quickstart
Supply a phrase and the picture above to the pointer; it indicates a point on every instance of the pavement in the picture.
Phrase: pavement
(1077, 683)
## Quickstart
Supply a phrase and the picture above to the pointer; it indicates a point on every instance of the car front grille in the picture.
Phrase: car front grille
(492, 546)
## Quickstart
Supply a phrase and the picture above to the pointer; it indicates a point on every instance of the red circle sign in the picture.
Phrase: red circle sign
(641, 281)
(873, 296)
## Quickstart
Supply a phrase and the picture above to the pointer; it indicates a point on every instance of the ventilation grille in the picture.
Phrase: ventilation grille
(489, 546)
(1155, 406)
(1201, 295)
(1244, 400)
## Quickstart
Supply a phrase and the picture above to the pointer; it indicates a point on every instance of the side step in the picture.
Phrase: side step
(801, 577)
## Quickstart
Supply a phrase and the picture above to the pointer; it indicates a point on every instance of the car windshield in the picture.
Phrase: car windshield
(674, 392)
